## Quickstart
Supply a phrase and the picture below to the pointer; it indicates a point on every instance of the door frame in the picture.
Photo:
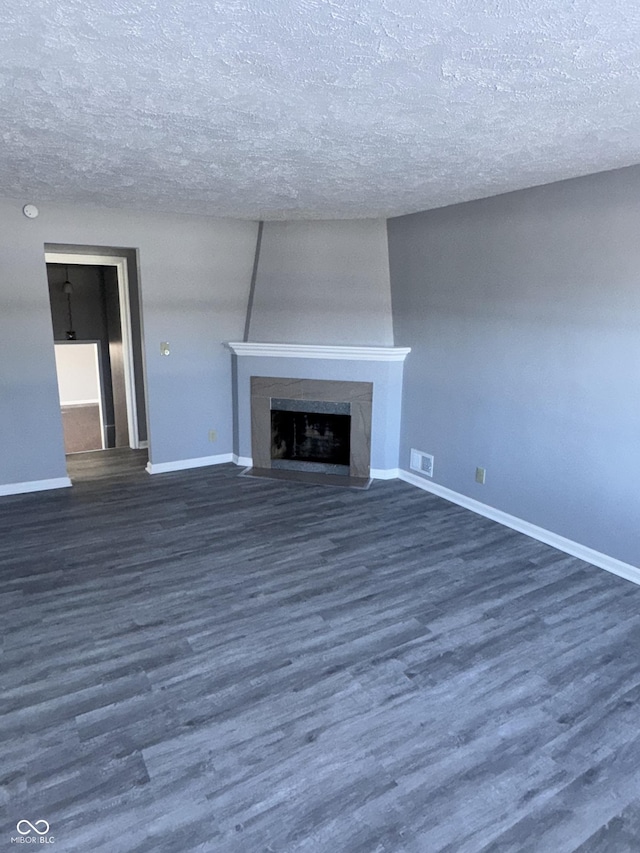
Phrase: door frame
(120, 265)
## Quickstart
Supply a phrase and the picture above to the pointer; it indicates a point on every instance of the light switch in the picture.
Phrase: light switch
(164, 348)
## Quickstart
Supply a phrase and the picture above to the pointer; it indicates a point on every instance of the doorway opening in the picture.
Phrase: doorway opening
(95, 314)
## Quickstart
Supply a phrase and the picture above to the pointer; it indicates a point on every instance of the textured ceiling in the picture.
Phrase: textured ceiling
(281, 109)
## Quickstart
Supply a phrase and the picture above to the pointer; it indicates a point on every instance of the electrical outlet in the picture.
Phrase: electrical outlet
(422, 462)
(481, 473)
(213, 435)
(165, 349)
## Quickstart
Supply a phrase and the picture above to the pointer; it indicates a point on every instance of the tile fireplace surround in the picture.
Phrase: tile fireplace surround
(358, 396)
(369, 379)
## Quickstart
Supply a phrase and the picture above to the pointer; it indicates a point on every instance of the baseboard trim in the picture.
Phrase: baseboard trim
(34, 486)
(568, 546)
(384, 473)
(244, 461)
(184, 464)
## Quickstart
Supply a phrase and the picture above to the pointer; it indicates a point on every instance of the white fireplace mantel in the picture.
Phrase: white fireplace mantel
(346, 353)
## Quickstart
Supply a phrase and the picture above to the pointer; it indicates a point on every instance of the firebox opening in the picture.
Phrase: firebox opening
(319, 438)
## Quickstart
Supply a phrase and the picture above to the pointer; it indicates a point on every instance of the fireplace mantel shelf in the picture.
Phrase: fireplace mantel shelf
(346, 353)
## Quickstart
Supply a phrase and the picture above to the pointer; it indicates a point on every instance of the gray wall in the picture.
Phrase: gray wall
(323, 283)
(194, 279)
(523, 312)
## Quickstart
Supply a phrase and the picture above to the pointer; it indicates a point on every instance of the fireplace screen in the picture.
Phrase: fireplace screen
(310, 437)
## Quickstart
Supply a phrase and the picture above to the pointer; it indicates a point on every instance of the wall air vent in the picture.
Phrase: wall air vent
(421, 462)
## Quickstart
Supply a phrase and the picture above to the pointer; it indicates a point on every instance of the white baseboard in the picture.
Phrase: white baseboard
(184, 464)
(384, 473)
(244, 461)
(568, 546)
(34, 486)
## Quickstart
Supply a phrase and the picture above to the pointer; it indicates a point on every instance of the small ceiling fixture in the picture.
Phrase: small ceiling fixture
(67, 288)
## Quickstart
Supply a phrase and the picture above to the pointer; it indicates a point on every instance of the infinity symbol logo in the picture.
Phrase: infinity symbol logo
(32, 826)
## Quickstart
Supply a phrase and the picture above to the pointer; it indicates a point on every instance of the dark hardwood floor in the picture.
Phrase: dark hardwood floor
(201, 661)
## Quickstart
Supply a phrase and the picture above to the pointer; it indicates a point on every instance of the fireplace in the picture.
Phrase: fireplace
(364, 382)
(311, 427)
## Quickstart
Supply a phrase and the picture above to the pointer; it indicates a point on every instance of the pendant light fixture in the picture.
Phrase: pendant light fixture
(67, 288)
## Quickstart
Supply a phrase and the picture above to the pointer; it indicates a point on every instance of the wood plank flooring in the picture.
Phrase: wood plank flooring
(200, 661)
